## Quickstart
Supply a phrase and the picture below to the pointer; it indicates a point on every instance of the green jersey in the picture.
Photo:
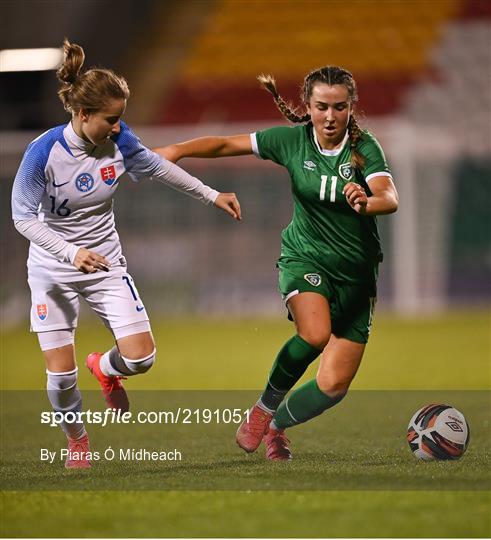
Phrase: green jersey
(325, 230)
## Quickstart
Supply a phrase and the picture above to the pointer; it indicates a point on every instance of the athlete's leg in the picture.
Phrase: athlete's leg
(54, 314)
(339, 364)
(59, 359)
(133, 354)
(351, 309)
(63, 392)
(310, 312)
(116, 300)
(61, 371)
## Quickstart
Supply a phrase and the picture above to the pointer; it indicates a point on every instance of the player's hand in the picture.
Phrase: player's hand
(356, 197)
(228, 203)
(89, 262)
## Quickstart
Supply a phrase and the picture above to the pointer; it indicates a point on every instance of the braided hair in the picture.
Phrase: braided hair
(89, 90)
(330, 75)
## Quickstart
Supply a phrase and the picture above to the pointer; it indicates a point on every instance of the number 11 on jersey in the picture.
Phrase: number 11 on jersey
(332, 191)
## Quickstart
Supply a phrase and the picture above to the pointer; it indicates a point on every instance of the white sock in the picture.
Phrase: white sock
(113, 364)
(64, 397)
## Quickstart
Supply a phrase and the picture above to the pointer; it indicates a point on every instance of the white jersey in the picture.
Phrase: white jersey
(69, 184)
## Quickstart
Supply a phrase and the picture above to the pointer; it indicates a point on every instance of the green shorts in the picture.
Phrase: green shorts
(351, 305)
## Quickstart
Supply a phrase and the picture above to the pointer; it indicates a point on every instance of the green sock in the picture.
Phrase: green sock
(303, 404)
(290, 364)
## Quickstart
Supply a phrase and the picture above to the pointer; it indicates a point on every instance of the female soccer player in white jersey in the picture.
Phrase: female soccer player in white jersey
(62, 201)
(330, 251)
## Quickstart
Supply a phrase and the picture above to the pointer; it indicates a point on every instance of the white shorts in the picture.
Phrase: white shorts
(114, 297)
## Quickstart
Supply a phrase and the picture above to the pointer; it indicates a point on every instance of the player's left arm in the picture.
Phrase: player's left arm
(383, 200)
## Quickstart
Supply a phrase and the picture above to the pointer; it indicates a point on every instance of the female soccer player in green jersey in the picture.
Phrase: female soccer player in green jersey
(330, 251)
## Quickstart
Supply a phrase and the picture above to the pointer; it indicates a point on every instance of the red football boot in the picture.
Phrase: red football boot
(277, 445)
(252, 430)
(112, 388)
(78, 453)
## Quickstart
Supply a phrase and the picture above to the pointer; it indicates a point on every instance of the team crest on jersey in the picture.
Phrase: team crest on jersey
(309, 165)
(313, 279)
(346, 171)
(108, 175)
(84, 182)
(42, 311)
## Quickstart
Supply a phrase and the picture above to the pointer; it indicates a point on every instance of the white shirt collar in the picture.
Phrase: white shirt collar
(334, 152)
(76, 144)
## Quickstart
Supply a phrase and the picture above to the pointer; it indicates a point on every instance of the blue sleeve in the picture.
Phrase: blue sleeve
(30, 181)
(139, 161)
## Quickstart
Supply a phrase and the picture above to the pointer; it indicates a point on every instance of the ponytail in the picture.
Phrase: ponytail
(73, 59)
(89, 90)
(268, 82)
(355, 135)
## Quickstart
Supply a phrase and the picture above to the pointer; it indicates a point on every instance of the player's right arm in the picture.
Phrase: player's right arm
(207, 147)
(83, 259)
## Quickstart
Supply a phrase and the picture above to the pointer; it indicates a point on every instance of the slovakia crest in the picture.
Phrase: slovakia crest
(42, 311)
(108, 175)
(346, 171)
(313, 279)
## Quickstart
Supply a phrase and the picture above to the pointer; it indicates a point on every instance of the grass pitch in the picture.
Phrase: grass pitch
(352, 474)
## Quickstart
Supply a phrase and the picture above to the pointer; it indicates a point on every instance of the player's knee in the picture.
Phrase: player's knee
(59, 382)
(140, 365)
(317, 338)
(334, 388)
(63, 392)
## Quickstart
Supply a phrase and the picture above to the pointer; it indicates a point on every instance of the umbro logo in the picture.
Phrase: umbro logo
(454, 426)
(309, 165)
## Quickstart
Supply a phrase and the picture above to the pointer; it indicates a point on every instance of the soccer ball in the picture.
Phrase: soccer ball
(438, 432)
